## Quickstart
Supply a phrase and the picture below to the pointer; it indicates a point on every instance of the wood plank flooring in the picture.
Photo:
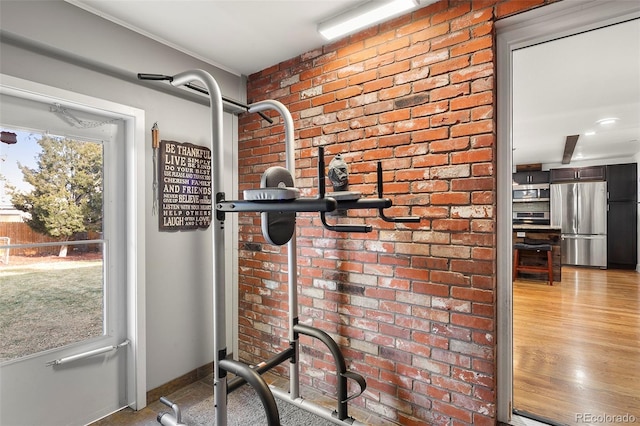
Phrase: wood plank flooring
(577, 346)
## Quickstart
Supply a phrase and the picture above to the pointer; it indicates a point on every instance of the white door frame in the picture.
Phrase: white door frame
(526, 29)
(134, 216)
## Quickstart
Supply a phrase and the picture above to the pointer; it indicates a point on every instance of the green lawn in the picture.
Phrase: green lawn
(45, 306)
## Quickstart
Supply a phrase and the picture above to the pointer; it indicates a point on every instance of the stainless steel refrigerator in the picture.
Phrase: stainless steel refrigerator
(580, 209)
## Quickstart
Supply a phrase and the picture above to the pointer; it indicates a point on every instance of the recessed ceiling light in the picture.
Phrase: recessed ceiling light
(607, 121)
(589, 133)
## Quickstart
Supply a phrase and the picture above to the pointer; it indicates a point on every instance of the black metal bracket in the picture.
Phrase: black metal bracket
(321, 195)
(379, 203)
(401, 219)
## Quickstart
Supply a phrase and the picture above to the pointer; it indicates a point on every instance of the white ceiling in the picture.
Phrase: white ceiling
(240, 36)
(561, 87)
(564, 87)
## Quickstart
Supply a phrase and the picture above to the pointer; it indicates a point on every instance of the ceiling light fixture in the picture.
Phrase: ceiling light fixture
(362, 16)
(589, 133)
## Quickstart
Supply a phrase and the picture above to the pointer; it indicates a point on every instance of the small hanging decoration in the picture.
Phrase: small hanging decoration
(155, 143)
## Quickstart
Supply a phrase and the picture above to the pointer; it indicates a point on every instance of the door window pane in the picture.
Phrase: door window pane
(51, 246)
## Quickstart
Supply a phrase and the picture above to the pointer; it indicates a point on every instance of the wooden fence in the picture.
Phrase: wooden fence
(21, 233)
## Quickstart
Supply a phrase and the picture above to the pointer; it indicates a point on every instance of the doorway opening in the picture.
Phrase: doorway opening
(532, 29)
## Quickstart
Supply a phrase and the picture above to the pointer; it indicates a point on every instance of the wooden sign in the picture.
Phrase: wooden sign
(185, 186)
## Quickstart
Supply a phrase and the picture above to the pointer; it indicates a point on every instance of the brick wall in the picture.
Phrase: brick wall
(413, 306)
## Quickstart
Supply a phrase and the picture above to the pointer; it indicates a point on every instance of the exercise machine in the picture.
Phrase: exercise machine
(278, 200)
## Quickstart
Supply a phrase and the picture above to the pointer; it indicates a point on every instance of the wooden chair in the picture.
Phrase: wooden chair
(539, 248)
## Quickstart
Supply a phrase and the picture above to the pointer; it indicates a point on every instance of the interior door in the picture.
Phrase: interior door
(73, 377)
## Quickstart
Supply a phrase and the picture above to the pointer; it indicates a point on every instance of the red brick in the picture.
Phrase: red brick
(473, 45)
(363, 77)
(465, 102)
(449, 118)
(430, 134)
(348, 92)
(451, 91)
(363, 55)
(453, 411)
(412, 75)
(431, 160)
(476, 127)
(335, 106)
(451, 225)
(472, 294)
(334, 85)
(323, 99)
(379, 61)
(395, 68)
(471, 321)
(450, 198)
(472, 19)
(482, 57)
(483, 29)
(396, 115)
(459, 9)
(449, 145)
(450, 39)
(514, 6)
(430, 108)
(473, 156)
(451, 384)
(394, 92)
(378, 84)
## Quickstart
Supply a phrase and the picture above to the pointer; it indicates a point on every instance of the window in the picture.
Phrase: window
(52, 265)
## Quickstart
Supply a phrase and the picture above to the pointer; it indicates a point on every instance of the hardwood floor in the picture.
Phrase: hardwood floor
(577, 347)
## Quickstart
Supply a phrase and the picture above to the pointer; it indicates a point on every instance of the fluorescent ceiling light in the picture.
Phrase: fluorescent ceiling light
(363, 16)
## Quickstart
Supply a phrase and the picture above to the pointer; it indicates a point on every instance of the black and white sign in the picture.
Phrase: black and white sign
(185, 186)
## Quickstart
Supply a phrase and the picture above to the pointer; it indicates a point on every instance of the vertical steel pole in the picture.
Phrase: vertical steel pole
(294, 369)
(218, 243)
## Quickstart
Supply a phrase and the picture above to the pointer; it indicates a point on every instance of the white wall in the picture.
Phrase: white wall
(55, 43)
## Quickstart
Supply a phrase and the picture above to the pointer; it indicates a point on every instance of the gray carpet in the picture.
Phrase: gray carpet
(244, 408)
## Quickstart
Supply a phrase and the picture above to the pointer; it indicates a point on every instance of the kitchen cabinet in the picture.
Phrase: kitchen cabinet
(573, 174)
(622, 182)
(622, 231)
(622, 223)
(530, 177)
